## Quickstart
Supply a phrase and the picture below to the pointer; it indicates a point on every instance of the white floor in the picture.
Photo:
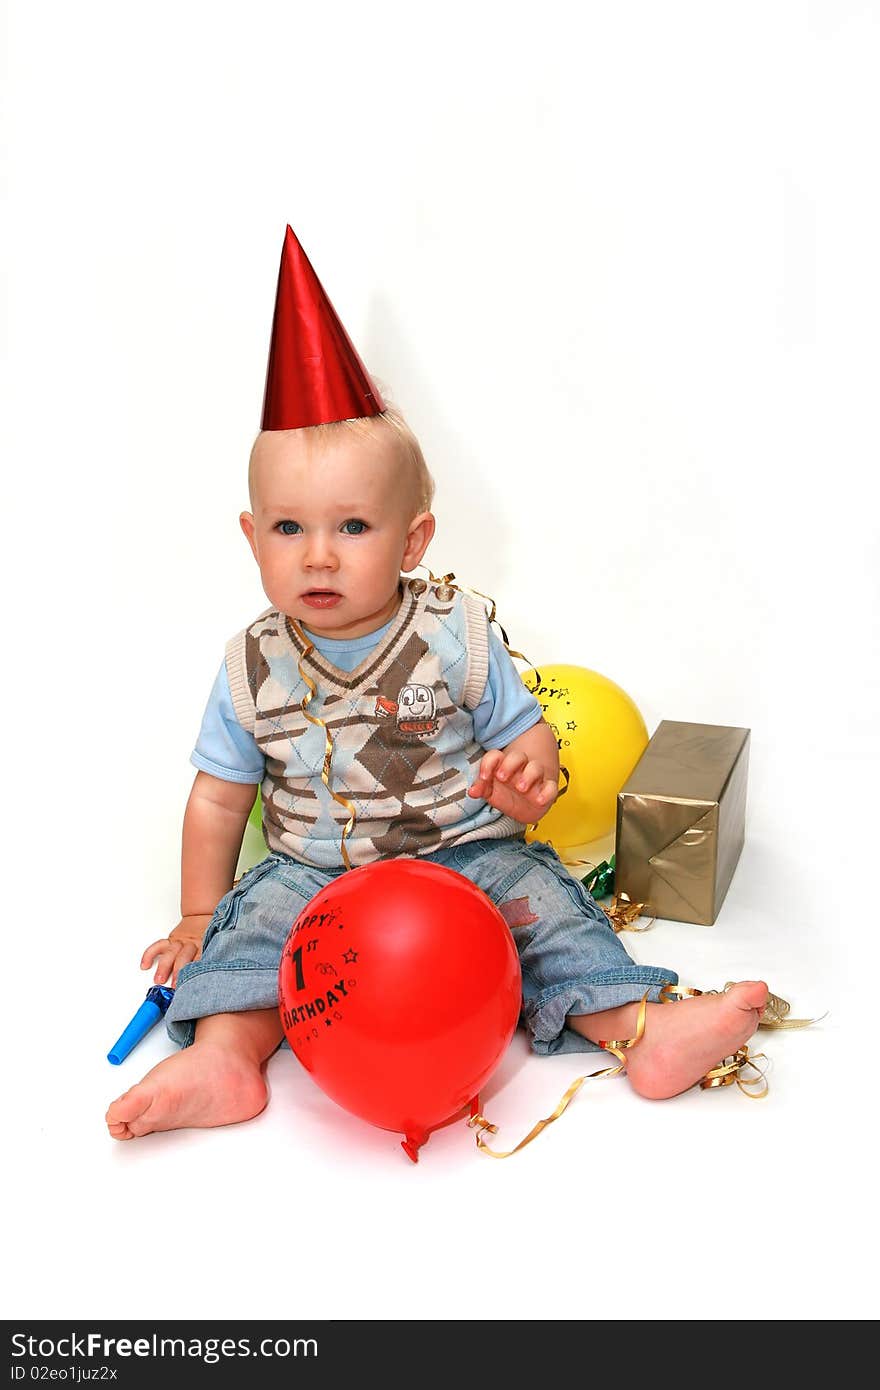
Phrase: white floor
(709, 1206)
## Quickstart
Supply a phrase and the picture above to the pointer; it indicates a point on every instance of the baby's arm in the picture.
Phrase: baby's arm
(521, 780)
(213, 828)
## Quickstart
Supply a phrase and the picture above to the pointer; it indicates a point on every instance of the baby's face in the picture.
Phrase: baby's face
(332, 527)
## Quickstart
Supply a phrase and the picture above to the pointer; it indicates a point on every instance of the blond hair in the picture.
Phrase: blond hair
(409, 449)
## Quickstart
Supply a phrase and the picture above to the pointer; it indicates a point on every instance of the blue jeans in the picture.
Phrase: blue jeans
(572, 960)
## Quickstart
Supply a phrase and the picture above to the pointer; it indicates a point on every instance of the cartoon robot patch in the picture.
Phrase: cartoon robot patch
(415, 710)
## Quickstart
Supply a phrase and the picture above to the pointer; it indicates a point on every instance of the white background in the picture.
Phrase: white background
(618, 265)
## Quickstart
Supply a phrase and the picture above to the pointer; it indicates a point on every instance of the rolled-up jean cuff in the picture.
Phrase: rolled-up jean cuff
(545, 1015)
(233, 987)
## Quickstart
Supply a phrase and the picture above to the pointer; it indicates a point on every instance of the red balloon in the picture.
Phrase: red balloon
(399, 989)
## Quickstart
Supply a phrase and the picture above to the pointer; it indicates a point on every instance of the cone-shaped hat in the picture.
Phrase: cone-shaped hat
(314, 374)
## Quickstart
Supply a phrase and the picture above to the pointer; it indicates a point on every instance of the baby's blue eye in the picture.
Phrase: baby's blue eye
(289, 528)
(354, 528)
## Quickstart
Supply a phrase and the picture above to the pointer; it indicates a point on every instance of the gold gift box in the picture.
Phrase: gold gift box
(681, 820)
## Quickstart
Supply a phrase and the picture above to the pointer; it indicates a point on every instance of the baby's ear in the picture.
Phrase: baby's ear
(246, 522)
(418, 537)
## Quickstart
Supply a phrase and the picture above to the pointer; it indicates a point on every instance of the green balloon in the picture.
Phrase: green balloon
(253, 846)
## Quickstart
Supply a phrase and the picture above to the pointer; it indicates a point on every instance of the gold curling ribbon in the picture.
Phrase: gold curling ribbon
(570, 860)
(328, 742)
(623, 912)
(444, 581)
(730, 1070)
(479, 1122)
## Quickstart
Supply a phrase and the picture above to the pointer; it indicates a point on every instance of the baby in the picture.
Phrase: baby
(381, 717)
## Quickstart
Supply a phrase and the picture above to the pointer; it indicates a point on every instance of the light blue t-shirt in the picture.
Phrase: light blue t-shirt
(226, 750)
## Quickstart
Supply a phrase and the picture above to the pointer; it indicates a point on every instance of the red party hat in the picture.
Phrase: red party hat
(314, 374)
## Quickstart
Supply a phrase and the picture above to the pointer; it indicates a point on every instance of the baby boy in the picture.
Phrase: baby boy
(381, 717)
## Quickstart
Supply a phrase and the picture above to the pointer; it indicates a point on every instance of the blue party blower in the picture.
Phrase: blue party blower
(148, 1015)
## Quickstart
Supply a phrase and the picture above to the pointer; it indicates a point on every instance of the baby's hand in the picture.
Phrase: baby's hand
(514, 785)
(182, 947)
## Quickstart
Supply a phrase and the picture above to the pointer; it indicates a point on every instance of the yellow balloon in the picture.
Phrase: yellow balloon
(601, 736)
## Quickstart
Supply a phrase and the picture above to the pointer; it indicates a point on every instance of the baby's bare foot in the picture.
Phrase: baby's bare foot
(685, 1039)
(199, 1087)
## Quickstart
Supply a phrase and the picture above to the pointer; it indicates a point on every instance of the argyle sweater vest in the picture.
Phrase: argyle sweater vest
(401, 726)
